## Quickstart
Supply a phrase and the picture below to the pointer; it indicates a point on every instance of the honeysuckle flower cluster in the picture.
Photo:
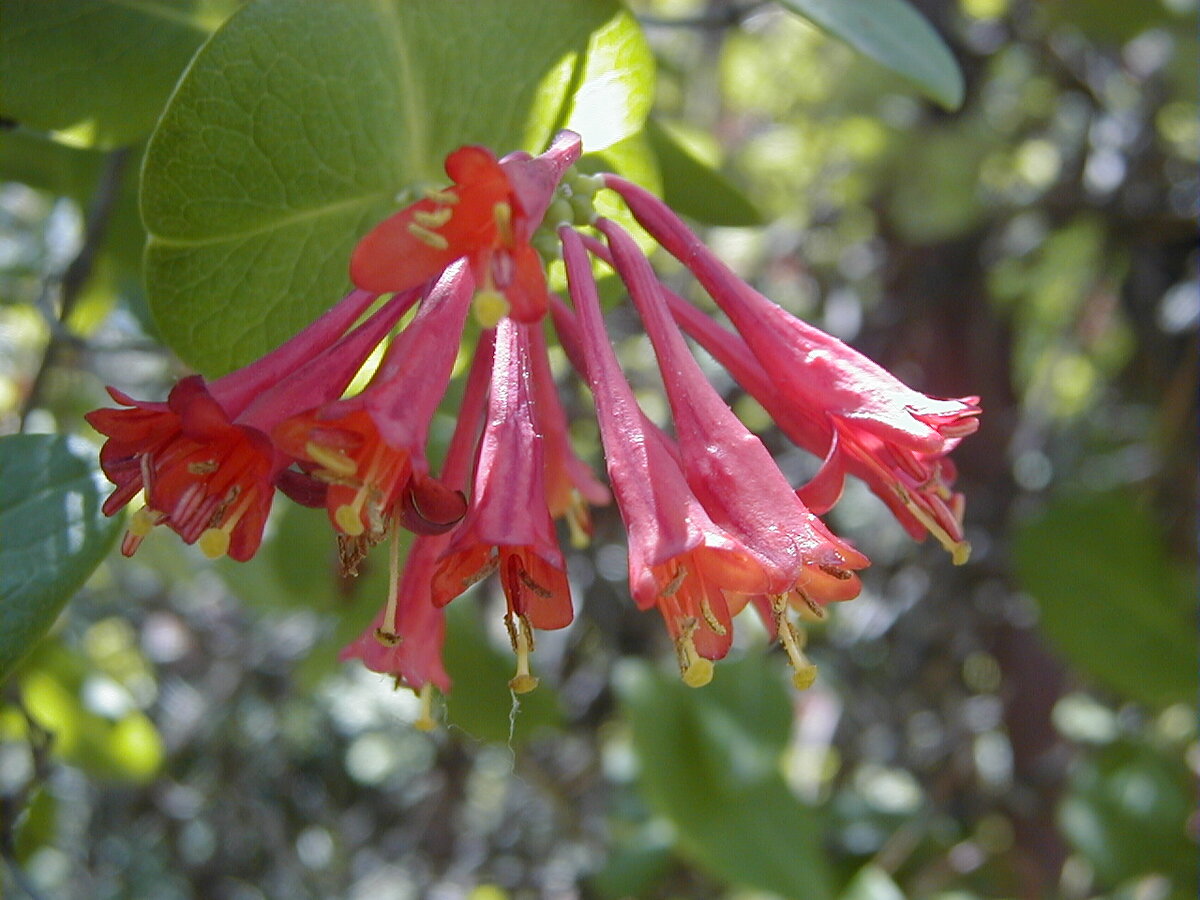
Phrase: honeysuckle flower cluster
(712, 523)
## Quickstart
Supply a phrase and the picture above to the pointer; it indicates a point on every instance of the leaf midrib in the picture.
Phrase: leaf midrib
(275, 224)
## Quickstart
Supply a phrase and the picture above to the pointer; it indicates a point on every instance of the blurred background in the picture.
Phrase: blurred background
(1019, 727)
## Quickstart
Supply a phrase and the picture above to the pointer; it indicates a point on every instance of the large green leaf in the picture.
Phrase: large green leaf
(896, 36)
(710, 763)
(97, 71)
(52, 533)
(696, 189)
(301, 120)
(1111, 601)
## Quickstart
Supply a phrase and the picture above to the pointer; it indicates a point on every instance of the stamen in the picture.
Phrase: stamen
(804, 673)
(142, 521)
(337, 462)
(425, 720)
(347, 517)
(386, 632)
(695, 669)
(214, 542)
(427, 237)
(433, 218)
(522, 637)
(960, 551)
(711, 618)
(489, 307)
(502, 216)
(672, 587)
(204, 467)
(488, 568)
(447, 197)
(527, 580)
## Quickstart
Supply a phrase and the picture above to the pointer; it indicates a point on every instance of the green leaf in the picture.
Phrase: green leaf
(696, 189)
(709, 761)
(1127, 811)
(1111, 601)
(54, 534)
(300, 121)
(97, 72)
(896, 36)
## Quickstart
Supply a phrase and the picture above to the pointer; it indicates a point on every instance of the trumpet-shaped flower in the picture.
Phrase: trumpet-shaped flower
(204, 458)
(727, 467)
(679, 560)
(508, 526)
(487, 215)
(899, 434)
(370, 448)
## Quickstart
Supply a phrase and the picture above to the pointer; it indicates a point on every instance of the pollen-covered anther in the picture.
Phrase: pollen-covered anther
(387, 638)
(203, 467)
(214, 542)
(334, 461)
(434, 218)
(425, 720)
(140, 524)
(804, 672)
(671, 588)
(489, 307)
(522, 640)
(428, 237)
(348, 516)
(448, 198)
(711, 619)
(694, 668)
(502, 216)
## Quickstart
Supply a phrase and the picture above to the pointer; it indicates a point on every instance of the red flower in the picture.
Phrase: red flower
(508, 526)
(679, 560)
(204, 458)
(370, 449)
(893, 434)
(487, 215)
(406, 638)
(726, 466)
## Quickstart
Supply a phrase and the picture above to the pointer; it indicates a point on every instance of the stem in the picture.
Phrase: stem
(71, 283)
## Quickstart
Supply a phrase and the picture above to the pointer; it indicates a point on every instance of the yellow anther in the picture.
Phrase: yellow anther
(425, 236)
(335, 461)
(695, 669)
(447, 197)
(425, 720)
(960, 553)
(522, 637)
(804, 673)
(489, 308)
(204, 467)
(433, 218)
(502, 216)
(142, 522)
(671, 588)
(214, 542)
(348, 520)
(711, 618)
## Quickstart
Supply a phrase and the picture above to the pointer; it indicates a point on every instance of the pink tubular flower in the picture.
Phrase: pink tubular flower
(508, 526)
(406, 638)
(899, 434)
(370, 449)
(727, 467)
(487, 215)
(679, 560)
(570, 484)
(204, 458)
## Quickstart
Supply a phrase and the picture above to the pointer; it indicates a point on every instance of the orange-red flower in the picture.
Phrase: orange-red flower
(487, 215)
